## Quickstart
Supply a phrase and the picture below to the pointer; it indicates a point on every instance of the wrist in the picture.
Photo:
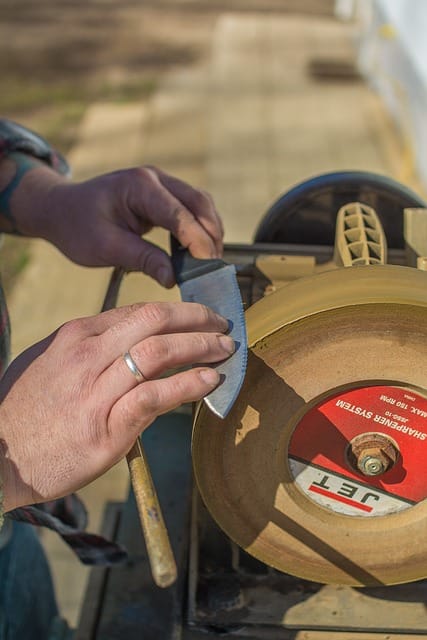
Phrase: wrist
(25, 187)
(22, 153)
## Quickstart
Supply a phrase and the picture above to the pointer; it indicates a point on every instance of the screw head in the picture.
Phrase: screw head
(371, 466)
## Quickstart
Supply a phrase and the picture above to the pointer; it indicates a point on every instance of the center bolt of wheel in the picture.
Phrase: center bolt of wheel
(371, 466)
(372, 453)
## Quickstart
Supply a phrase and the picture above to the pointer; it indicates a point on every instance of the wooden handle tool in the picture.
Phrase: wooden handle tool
(159, 550)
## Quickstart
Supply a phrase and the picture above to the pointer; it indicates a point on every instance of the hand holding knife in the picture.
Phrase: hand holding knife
(213, 282)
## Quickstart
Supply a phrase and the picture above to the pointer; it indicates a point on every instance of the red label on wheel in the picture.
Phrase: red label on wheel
(318, 450)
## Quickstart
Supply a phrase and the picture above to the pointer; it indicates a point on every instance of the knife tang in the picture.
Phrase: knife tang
(186, 267)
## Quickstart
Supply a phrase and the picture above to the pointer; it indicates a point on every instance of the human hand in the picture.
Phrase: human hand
(100, 222)
(71, 408)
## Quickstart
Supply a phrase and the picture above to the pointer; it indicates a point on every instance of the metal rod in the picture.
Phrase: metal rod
(244, 255)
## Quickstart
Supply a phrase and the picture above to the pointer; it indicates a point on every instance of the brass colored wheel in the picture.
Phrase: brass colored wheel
(319, 469)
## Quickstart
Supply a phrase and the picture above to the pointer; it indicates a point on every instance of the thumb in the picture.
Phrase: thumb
(137, 254)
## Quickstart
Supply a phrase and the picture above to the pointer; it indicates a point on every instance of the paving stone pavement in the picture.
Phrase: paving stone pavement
(246, 123)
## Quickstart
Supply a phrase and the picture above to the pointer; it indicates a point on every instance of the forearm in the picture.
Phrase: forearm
(29, 167)
(25, 186)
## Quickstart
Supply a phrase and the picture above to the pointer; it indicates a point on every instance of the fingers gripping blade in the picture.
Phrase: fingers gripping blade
(220, 291)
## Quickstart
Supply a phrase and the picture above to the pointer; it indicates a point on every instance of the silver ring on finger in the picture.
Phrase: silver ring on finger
(133, 368)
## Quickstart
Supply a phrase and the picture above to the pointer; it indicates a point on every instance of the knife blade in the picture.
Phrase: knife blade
(213, 282)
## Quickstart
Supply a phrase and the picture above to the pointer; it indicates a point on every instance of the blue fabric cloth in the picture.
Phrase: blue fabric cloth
(27, 600)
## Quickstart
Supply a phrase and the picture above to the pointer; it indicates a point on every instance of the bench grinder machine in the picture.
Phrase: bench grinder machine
(303, 514)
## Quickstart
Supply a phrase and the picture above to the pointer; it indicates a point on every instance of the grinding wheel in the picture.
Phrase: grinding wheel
(332, 358)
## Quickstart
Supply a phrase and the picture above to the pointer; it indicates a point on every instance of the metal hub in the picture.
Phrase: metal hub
(372, 454)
